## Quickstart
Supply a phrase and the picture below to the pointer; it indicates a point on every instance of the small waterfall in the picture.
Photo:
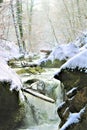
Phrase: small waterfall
(42, 115)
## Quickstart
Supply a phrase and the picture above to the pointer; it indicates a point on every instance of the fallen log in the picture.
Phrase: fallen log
(38, 95)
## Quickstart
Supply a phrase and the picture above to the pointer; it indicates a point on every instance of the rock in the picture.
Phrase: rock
(51, 64)
(70, 94)
(75, 85)
(11, 107)
(72, 78)
(47, 52)
(11, 112)
(59, 55)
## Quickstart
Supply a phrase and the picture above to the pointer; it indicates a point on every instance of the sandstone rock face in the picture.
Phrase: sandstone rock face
(75, 85)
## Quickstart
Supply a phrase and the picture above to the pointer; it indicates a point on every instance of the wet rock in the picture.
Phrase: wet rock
(70, 94)
(72, 78)
(75, 85)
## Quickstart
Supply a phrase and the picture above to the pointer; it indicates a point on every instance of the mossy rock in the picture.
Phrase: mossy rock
(11, 112)
(21, 71)
(49, 64)
(12, 63)
(31, 70)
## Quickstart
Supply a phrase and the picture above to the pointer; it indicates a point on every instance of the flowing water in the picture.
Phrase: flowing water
(42, 115)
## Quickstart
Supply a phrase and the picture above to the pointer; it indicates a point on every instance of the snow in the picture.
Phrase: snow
(7, 74)
(67, 51)
(83, 47)
(64, 51)
(61, 104)
(8, 50)
(73, 118)
(79, 60)
(81, 40)
(73, 89)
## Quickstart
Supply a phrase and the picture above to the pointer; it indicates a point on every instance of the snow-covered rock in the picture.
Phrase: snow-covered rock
(8, 75)
(64, 51)
(11, 98)
(72, 119)
(60, 54)
(73, 75)
(79, 60)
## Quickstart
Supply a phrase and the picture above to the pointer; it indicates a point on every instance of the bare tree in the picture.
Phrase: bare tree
(16, 26)
(30, 5)
(19, 22)
(53, 29)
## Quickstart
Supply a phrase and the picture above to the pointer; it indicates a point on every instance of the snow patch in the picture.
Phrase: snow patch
(71, 90)
(61, 104)
(7, 74)
(72, 119)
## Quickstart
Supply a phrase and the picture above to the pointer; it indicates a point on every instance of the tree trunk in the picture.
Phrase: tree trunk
(15, 25)
(19, 21)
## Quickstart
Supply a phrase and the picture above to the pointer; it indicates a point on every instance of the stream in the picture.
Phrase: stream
(40, 114)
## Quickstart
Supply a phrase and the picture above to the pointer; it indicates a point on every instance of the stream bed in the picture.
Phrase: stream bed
(40, 114)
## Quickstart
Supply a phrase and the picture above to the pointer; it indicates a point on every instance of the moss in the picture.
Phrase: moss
(12, 63)
(21, 71)
(55, 64)
(32, 70)
(39, 69)
(58, 63)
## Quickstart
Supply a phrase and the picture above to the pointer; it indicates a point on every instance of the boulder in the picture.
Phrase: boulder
(59, 55)
(73, 111)
(11, 111)
(75, 85)
(11, 106)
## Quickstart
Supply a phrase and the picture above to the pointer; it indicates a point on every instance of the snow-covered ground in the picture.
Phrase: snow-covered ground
(8, 50)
